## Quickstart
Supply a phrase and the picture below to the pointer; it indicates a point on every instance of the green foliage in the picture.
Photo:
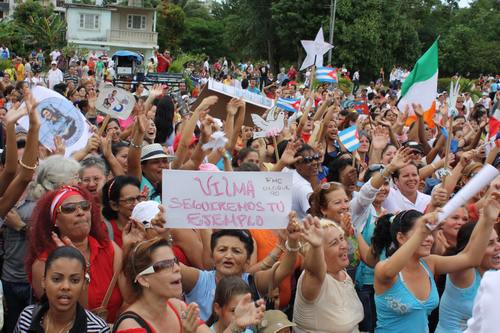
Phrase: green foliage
(4, 64)
(345, 85)
(466, 85)
(170, 26)
(183, 58)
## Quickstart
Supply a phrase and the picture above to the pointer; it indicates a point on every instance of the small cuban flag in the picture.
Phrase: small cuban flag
(361, 107)
(349, 138)
(326, 74)
(289, 104)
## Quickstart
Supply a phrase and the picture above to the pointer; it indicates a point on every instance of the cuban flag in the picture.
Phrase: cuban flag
(494, 124)
(326, 74)
(349, 138)
(289, 104)
(361, 107)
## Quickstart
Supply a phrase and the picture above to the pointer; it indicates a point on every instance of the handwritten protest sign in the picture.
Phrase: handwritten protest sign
(115, 102)
(256, 103)
(227, 200)
(59, 117)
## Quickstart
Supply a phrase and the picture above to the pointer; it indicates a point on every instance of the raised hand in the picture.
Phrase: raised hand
(61, 241)
(106, 144)
(133, 233)
(491, 208)
(234, 105)
(15, 114)
(92, 98)
(288, 156)
(439, 197)
(419, 110)
(312, 231)
(346, 224)
(293, 229)
(401, 159)
(190, 318)
(379, 138)
(248, 313)
(207, 102)
(156, 91)
(59, 147)
(93, 143)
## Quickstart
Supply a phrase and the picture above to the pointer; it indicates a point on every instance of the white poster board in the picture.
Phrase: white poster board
(259, 100)
(227, 200)
(115, 102)
(59, 117)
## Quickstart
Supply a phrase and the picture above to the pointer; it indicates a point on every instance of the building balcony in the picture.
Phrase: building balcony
(132, 36)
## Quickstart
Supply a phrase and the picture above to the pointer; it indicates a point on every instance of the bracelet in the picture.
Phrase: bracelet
(434, 167)
(273, 256)
(133, 145)
(292, 249)
(21, 163)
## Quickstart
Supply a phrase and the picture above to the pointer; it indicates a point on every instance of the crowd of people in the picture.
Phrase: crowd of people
(357, 255)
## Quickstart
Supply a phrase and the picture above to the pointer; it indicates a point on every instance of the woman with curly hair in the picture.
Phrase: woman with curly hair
(70, 216)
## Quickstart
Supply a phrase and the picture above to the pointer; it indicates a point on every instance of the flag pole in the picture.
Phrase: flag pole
(448, 148)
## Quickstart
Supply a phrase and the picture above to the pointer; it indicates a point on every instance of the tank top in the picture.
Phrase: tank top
(398, 310)
(456, 306)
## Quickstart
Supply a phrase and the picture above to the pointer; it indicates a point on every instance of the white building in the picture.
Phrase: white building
(112, 27)
(7, 6)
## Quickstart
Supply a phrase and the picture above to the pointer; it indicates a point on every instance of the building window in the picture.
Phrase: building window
(137, 22)
(89, 21)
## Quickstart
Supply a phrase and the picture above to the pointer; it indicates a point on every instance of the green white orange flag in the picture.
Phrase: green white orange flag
(420, 86)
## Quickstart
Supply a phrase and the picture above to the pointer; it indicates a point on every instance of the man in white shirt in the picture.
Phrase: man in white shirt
(54, 55)
(54, 75)
(405, 195)
(486, 311)
(305, 169)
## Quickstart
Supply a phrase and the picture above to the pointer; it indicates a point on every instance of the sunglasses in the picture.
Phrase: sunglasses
(159, 266)
(132, 200)
(310, 159)
(71, 207)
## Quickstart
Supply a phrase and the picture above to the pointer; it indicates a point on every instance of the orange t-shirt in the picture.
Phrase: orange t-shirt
(266, 241)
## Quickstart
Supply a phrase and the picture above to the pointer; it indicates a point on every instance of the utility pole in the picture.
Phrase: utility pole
(333, 9)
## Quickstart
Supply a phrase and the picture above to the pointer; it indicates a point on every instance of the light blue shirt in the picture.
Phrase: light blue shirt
(203, 292)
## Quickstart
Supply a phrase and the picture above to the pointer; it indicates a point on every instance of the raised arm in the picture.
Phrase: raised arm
(287, 264)
(473, 253)
(387, 270)
(29, 161)
(10, 168)
(188, 130)
(114, 165)
(134, 154)
(314, 261)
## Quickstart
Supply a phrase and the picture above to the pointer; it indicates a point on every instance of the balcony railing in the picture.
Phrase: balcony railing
(132, 36)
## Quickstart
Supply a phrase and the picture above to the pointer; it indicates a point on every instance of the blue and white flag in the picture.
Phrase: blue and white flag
(326, 74)
(289, 104)
(349, 138)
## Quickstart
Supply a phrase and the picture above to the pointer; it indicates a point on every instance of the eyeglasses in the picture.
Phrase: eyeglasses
(71, 207)
(310, 159)
(96, 180)
(132, 200)
(159, 266)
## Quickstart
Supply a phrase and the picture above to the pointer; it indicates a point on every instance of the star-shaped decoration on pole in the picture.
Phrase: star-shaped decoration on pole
(315, 50)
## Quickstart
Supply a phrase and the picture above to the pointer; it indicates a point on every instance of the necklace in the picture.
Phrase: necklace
(49, 324)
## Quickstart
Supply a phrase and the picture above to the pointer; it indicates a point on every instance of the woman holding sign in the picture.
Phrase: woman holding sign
(403, 301)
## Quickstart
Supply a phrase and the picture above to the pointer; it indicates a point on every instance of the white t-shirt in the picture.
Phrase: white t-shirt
(54, 76)
(486, 311)
(301, 189)
(54, 55)
(396, 201)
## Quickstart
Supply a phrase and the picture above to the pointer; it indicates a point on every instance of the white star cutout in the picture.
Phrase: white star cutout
(315, 50)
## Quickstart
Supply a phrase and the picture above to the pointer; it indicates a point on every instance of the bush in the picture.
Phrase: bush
(345, 85)
(4, 64)
(180, 60)
(466, 85)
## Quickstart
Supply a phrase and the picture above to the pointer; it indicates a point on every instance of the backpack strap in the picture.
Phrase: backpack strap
(134, 316)
(109, 227)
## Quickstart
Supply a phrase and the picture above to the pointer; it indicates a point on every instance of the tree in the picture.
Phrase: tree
(170, 25)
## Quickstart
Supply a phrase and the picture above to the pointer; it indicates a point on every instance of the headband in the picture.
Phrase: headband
(62, 194)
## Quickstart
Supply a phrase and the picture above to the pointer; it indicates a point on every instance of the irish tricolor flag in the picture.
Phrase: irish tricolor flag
(420, 86)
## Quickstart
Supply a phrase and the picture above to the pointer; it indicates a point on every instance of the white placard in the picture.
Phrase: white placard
(59, 117)
(115, 102)
(227, 200)
(249, 97)
(476, 184)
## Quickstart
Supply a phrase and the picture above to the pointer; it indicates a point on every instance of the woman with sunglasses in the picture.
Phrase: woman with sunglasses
(69, 216)
(304, 178)
(154, 274)
(119, 197)
(405, 291)
(59, 310)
